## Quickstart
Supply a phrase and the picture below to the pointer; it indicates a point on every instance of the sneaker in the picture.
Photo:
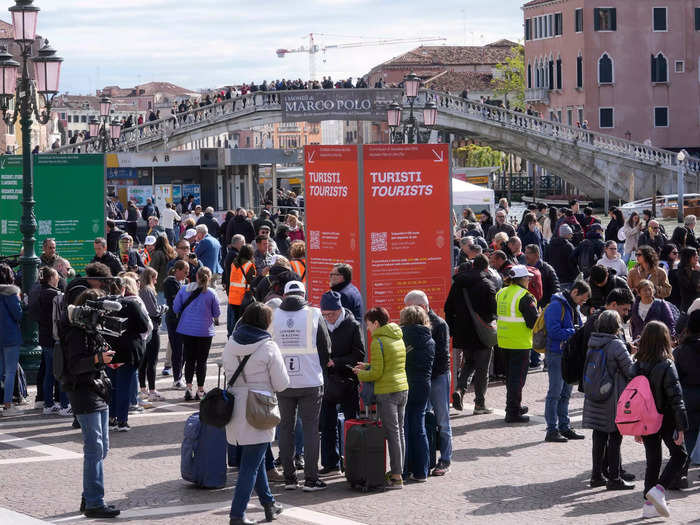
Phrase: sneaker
(481, 410)
(179, 385)
(66, 412)
(680, 484)
(657, 497)
(555, 437)
(277, 462)
(299, 462)
(627, 476)
(113, 423)
(457, 401)
(274, 476)
(523, 410)
(441, 469)
(329, 471)
(649, 511)
(188, 395)
(570, 433)
(393, 484)
(619, 484)
(102, 512)
(167, 371)
(145, 403)
(135, 408)
(199, 395)
(314, 486)
(143, 394)
(534, 367)
(419, 480)
(155, 396)
(518, 418)
(291, 483)
(53, 409)
(597, 481)
(123, 427)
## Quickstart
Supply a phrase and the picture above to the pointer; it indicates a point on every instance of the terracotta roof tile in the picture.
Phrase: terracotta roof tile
(494, 53)
(457, 81)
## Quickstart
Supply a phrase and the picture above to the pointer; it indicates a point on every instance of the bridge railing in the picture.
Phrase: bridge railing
(534, 125)
(159, 130)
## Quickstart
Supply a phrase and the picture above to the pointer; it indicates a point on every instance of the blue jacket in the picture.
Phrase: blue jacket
(198, 318)
(350, 298)
(10, 315)
(420, 353)
(207, 251)
(560, 329)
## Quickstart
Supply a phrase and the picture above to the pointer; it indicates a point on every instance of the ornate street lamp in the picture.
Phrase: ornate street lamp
(411, 85)
(102, 127)
(47, 72)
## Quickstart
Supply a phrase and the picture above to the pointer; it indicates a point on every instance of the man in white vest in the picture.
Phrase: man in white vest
(302, 336)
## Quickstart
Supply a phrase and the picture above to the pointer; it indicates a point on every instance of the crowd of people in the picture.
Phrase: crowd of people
(556, 283)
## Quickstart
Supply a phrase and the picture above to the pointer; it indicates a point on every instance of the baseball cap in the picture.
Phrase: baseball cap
(294, 287)
(520, 270)
(150, 239)
(595, 227)
(190, 233)
(565, 229)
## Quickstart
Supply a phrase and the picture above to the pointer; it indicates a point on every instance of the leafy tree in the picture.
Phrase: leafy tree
(511, 78)
(475, 156)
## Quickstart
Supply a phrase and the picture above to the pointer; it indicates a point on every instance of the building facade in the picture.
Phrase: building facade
(625, 68)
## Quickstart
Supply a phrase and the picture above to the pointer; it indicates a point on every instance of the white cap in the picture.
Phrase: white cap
(150, 240)
(295, 287)
(190, 233)
(520, 270)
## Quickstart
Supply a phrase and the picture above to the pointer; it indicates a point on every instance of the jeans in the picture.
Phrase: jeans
(440, 401)
(417, 453)
(49, 381)
(516, 374)
(330, 440)
(176, 345)
(606, 453)
(475, 365)
(121, 391)
(652, 447)
(251, 474)
(307, 401)
(233, 313)
(556, 406)
(9, 357)
(391, 408)
(235, 452)
(95, 429)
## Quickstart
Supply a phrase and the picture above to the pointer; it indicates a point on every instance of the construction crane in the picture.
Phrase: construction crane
(312, 49)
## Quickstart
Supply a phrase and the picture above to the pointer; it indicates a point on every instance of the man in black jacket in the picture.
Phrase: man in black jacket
(684, 236)
(653, 236)
(107, 258)
(560, 257)
(603, 280)
(347, 349)
(240, 224)
(210, 221)
(440, 379)
(475, 355)
(113, 236)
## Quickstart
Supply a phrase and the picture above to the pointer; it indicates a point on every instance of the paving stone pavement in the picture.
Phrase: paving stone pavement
(499, 472)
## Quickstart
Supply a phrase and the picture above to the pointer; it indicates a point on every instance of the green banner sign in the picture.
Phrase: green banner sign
(69, 191)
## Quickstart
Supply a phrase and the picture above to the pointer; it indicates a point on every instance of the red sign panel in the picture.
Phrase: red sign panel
(332, 224)
(407, 224)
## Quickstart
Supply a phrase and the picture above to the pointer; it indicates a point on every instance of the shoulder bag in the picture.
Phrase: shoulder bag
(486, 332)
(216, 408)
(188, 302)
(262, 411)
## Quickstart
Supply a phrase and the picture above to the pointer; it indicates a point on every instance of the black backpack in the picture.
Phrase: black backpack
(597, 382)
(573, 356)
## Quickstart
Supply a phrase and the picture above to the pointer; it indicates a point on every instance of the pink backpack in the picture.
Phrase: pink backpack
(636, 409)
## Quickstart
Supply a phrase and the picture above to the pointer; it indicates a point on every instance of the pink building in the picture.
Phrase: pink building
(631, 68)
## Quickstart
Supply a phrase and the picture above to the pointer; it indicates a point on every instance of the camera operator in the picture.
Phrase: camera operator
(129, 350)
(85, 357)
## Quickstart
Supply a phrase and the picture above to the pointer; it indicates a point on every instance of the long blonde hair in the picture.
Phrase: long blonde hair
(147, 276)
(203, 277)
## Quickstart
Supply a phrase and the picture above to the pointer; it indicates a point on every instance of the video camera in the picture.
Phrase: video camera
(11, 260)
(97, 316)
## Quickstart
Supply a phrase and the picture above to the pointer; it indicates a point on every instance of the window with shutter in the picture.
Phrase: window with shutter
(605, 69)
(579, 71)
(659, 19)
(697, 18)
(660, 117)
(528, 28)
(605, 19)
(559, 73)
(558, 29)
(659, 68)
(550, 79)
(578, 20)
(607, 118)
(529, 76)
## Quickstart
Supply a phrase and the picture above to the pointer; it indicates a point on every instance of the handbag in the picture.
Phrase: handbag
(338, 389)
(262, 410)
(486, 332)
(216, 408)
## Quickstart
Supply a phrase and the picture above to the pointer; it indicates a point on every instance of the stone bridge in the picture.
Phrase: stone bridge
(590, 161)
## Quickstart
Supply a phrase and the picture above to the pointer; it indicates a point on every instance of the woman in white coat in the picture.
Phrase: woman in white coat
(263, 372)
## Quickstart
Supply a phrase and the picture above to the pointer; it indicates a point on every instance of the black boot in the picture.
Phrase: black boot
(102, 512)
(272, 511)
(241, 521)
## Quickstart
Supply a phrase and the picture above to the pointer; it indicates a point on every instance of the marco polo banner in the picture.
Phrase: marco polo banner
(386, 212)
(337, 104)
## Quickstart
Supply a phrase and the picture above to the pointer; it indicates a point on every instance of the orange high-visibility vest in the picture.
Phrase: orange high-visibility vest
(299, 267)
(238, 284)
(146, 257)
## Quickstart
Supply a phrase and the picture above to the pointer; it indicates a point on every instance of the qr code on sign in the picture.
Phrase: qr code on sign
(378, 242)
(315, 239)
(45, 227)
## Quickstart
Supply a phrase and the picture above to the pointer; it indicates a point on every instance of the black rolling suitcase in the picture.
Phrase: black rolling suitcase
(365, 454)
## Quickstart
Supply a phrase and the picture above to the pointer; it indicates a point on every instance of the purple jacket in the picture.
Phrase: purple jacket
(659, 311)
(198, 318)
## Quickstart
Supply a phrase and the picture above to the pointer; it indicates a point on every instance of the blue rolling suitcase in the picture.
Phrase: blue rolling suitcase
(203, 454)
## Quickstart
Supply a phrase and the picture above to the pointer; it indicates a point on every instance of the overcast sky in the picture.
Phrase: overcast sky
(209, 43)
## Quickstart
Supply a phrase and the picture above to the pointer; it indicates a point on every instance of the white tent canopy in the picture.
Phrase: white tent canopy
(476, 197)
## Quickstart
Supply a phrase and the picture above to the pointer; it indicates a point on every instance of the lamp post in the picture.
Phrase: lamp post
(25, 91)
(681, 184)
(98, 128)
(410, 129)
